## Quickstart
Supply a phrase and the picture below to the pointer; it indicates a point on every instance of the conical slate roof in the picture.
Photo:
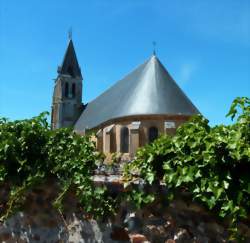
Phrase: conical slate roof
(70, 64)
(148, 90)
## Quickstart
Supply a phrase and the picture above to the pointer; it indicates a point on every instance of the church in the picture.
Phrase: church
(138, 108)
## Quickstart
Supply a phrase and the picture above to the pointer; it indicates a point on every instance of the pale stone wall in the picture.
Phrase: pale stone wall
(66, 110)
(181, 221)
(108, 138)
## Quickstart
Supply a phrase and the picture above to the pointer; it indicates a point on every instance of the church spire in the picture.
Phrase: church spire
(70, 64)
(67, 97)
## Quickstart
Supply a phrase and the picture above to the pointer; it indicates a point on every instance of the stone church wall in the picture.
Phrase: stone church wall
(181, 221)
(108, 136)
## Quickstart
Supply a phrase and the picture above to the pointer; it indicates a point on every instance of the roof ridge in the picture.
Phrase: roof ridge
(147, 90)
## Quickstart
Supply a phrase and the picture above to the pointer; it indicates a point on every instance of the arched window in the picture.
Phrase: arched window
(124, 140)
(66, 93)
(73, 90)
(152, 134)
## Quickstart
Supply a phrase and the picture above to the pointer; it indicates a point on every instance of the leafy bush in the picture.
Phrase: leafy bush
(212, 163)
(30, 153)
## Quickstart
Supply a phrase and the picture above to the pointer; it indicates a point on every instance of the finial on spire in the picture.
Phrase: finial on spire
(70, 33)
(154, 45)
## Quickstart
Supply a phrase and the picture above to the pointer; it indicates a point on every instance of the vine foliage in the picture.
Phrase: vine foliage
(212, 163)
(30, 153)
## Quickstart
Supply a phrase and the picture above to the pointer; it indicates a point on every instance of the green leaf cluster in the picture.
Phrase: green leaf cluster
(30, 153)
(212, 163)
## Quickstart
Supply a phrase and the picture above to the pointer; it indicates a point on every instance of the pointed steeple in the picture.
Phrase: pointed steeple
(67, 98)
(70, 64)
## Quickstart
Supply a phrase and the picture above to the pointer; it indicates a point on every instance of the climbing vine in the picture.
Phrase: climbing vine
(212, 163)
(30, 153)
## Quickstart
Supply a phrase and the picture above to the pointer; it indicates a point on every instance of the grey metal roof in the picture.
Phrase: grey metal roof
(70, 64)
(149, 89)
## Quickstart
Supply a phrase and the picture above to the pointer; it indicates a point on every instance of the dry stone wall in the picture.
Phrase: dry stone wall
(181, 221)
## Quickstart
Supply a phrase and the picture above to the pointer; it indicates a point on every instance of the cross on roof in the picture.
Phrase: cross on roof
(154, 45)
(70, 33)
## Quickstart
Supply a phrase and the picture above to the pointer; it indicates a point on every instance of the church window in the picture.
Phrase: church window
(124, 139)
(66, 93)
(152, 134)
(73, 90)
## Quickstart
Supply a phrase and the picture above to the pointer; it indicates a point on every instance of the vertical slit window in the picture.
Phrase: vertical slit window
(66, 90)
(73, 90)
(152, 134)
(124, 139)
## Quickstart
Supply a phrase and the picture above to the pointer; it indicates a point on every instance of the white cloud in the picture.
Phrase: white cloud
(227, 21)
(186, 72)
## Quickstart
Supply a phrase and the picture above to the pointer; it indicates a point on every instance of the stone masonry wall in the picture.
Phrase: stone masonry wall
(181, 221)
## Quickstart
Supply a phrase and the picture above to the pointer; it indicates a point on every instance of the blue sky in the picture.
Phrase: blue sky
(205, 45)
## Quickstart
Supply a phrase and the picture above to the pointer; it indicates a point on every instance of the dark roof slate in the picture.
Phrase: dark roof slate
(70, 64)
(147, 90)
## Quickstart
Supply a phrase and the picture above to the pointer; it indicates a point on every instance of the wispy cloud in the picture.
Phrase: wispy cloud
(186, 72)
(227, 21)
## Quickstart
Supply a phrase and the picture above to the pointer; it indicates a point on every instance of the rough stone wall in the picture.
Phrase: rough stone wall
(181, 221)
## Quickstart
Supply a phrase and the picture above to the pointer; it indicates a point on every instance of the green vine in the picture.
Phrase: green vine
(212, 163)
(30, 153)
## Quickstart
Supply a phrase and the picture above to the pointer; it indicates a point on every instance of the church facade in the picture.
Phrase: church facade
(133, 112)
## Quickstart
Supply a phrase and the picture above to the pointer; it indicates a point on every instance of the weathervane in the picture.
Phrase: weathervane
(154, 45)
(70, 33)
